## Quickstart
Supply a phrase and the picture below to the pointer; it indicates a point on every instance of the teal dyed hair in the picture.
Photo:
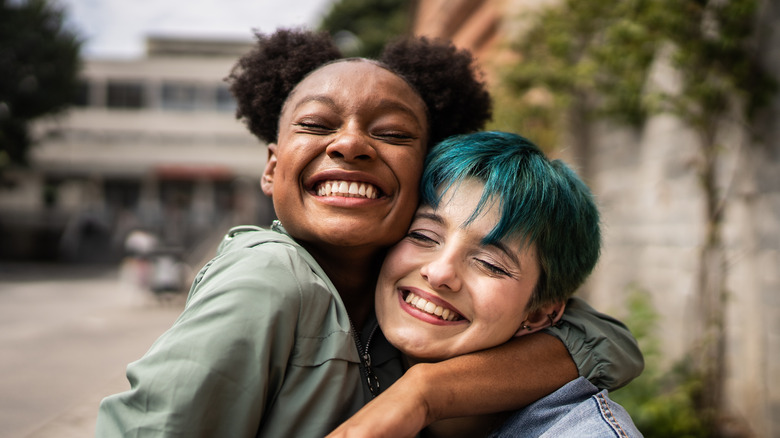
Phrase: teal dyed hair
(541, 201)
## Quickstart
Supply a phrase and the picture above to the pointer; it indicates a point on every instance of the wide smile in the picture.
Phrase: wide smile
(431, 308)
(347, 189)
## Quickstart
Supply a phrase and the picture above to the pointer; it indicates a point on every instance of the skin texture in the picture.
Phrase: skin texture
(350, 122)
(444, 262)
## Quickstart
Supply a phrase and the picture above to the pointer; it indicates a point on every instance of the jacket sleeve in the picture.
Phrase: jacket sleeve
(602, 347)
(215, 370)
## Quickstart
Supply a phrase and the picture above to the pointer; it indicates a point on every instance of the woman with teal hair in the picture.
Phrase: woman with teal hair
(502, 239)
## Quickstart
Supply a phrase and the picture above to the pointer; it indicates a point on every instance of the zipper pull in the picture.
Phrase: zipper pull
(371, 378)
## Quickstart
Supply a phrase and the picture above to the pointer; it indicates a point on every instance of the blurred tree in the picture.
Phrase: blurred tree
(592, 58)
(362, 27)
(39, 61)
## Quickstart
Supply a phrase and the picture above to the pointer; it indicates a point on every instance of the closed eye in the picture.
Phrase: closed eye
(396, 137)
(421, 238)
(493, 269)
(313, 128)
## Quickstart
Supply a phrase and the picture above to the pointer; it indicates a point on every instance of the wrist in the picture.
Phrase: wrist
(424, 395)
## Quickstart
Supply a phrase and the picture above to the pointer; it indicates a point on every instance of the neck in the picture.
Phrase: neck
(354, 273)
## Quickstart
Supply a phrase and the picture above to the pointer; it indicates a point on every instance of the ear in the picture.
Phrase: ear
(267, 182)
(547, 316)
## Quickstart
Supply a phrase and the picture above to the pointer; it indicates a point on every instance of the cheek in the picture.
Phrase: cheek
(407, 166)
(499, 307)
(398, 262)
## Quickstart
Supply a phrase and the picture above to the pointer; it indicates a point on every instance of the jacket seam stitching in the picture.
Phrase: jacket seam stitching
(608, 415)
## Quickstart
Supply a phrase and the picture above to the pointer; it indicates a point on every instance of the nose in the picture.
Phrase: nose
(352, 144)
(442, 272)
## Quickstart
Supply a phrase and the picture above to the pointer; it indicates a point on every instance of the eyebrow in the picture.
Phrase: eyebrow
(506, 250)
(398, 106)
(316, 98)
(430, 216)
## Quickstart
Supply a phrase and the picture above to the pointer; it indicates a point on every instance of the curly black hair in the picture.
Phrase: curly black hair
(446, 78)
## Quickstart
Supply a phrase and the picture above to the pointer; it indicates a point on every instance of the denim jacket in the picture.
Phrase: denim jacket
(577, 409)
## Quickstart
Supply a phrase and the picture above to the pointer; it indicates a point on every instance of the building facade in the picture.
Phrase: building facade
(151, 144)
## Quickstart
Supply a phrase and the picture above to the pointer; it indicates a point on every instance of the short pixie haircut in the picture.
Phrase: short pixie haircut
(445, 77)
(541, 201)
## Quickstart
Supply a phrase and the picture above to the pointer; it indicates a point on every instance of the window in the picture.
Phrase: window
(225, 100)
(125, 94)
(81, 94)
(179, 96)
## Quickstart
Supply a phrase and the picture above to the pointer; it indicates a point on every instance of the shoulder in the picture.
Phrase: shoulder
(250, 236)
(253, 260)
(613, 417)
(576, 409)
(595, 416)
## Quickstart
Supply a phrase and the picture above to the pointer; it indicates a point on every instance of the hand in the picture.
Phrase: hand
(400, 411)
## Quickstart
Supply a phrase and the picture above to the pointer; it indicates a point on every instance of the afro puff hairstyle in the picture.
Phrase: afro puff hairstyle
(445, 78)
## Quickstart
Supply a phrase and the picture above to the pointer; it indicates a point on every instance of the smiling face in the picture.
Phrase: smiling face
(442, 292)
(344, 173)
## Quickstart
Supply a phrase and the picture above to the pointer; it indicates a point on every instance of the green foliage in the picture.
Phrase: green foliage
(661, 400)
(599, 53)
(531, 114)
(372, 22)
(39, 61)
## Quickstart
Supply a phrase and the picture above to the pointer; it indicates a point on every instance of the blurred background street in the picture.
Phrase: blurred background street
(66, 336)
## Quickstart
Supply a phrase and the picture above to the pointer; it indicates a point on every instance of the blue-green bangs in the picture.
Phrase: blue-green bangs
(541, 201)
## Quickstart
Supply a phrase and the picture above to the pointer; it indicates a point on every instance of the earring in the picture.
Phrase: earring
(551, 317)
(525, 327)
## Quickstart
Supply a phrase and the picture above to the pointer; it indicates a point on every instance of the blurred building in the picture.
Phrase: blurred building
(653, 211)
(151, 144)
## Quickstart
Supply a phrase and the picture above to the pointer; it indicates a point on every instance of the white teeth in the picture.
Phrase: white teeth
(347, 189)
(431, 308)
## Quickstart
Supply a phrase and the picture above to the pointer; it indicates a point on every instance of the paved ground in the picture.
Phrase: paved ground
(66, 335)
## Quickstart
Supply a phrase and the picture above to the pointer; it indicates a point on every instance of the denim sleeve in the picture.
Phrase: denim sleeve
(602, 347)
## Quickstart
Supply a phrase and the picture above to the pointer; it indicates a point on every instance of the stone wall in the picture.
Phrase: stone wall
(653, 226)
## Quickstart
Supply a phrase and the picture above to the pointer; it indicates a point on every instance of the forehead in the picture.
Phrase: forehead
(356, 80)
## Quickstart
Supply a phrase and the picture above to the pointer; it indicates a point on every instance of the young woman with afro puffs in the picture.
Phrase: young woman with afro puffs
(278, 337)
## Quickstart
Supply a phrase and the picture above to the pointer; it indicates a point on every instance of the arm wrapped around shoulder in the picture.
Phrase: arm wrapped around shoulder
(602, 347)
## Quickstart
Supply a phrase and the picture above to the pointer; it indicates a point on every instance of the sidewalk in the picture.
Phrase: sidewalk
(67, 334)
